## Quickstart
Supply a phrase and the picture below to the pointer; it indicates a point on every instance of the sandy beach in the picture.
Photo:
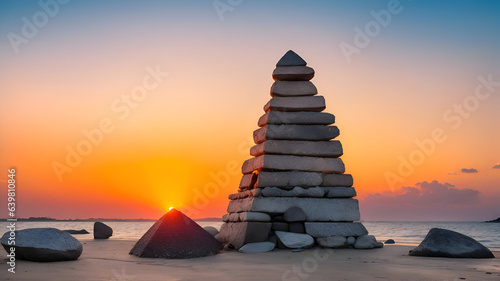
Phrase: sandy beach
(109, 260)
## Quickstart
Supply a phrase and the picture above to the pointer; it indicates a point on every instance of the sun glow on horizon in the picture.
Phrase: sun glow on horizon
(170, 208)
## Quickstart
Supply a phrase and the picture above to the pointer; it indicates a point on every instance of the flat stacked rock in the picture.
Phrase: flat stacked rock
(296, 166)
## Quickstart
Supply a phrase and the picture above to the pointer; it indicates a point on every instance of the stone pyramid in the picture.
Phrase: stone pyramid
(296, 164)
(175, 236)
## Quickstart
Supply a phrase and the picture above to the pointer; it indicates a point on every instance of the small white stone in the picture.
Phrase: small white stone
(295, 240)
(367, 242)
(257, 247)
(332, 241)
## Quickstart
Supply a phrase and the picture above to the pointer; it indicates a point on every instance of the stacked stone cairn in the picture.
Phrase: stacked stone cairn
(294, 191)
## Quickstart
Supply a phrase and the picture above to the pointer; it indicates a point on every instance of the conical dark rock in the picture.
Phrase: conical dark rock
(291, 59)
(175, 236)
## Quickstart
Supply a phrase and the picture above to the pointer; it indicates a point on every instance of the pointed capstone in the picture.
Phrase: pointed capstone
(291, 59)
(175, 236)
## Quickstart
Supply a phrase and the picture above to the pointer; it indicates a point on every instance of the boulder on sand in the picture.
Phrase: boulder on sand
(43, 245)
(175, 236)
(450, 244)
(102, 231)
(367, 242)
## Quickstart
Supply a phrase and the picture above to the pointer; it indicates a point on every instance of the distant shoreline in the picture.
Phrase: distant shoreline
(43, 219)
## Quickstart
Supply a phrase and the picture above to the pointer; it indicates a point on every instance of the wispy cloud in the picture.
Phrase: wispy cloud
(425, 193)
(469, 171)
(497, 166)
(424, 201)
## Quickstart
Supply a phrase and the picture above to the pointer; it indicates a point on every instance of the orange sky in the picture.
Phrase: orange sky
(182, 144)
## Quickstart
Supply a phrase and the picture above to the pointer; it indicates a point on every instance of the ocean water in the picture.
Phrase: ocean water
(404, 233)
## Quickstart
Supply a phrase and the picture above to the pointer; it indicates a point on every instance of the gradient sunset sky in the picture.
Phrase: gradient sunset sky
(417, 104)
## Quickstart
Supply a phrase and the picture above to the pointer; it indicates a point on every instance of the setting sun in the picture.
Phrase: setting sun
(170, 208)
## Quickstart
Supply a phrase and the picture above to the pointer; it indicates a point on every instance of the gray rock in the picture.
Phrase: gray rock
(296, 227)
(288, 179)
(351, 240)
(257, 247)
(293, 89)
(241, 233)
(291, 59)
(295, 133)
(367, 242)
(339, 191)
(212, 230)
(295, 163)
(316, 209)
(300, 148)
(102, 231)
(298, 118)
(43, 245)
(295, 192)
(281, 226)
(254, 216)
(72, 231)
(293, 73)
(295, 240)
(294, 214)
(332, 241)
(325, 229)
(309, 103)
(336, 180)
(390, 241)
(278, 218)
(446, 243)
